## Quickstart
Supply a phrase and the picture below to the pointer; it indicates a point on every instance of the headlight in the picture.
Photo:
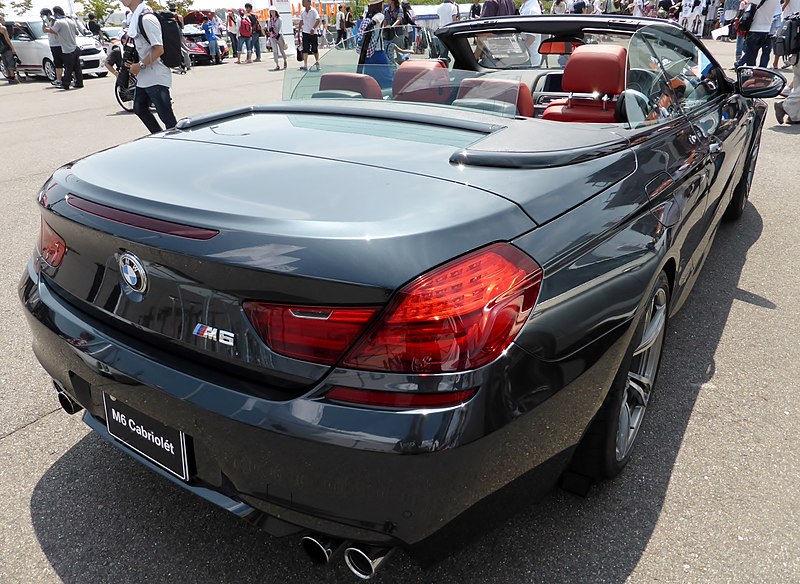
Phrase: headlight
(97, 45)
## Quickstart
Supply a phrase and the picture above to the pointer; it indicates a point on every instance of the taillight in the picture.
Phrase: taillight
(399, 399)
(312, 333)
(51, 246)
(458, 317)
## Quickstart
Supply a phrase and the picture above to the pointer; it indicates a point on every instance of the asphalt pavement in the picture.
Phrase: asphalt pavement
(711, 494)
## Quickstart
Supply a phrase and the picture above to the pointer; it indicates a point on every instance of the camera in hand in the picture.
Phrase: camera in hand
(129, 54)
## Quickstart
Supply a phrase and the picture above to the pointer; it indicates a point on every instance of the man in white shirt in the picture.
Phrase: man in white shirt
(758, 36)
(638, 8)
(309, 23)
(447, 13)
(66, 33)
(153, 77)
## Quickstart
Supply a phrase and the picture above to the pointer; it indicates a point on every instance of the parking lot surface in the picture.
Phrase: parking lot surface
(711, 494)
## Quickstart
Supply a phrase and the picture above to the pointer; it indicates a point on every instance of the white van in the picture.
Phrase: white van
(33, 50)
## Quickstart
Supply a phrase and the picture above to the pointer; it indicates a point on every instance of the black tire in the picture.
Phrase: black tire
(3, 69)
(741, 192)
(124, 95)
(598, 455)
(49, 69)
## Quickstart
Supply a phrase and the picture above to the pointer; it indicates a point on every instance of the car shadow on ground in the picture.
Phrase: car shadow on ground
(100, 516)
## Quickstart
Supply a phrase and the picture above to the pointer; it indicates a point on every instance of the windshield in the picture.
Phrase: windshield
(388, 65)
(37, 29)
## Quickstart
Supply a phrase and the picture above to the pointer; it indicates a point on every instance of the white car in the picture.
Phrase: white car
(33, 50)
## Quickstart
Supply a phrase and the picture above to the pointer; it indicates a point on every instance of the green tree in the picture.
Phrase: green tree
(21, 6)
(182, 6)
(102, 9)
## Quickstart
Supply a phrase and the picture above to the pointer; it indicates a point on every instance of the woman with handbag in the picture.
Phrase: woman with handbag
(274, 26)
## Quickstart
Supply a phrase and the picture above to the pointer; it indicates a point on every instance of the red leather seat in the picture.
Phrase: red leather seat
(425, 81)
(507, 90)
(596, 69)
(364, 85)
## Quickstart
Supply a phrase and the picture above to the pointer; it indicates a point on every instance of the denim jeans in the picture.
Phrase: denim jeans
(754, 41)
(256, 45)
(739, 46)
(248, 41)
(213, 50)
(158, 95)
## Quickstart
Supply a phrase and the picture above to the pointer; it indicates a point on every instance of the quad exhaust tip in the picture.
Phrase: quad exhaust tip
(365, 561)
(321, 549)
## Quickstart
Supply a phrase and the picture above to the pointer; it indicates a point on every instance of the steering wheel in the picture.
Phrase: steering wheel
(645, 82)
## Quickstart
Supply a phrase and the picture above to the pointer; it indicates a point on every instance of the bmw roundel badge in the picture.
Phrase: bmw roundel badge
(132, 271)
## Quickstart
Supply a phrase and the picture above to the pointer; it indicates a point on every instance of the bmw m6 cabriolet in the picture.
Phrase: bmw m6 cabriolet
(474, 309)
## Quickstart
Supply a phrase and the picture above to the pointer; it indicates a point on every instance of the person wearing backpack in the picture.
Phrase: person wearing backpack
(245, 38)
(756, 21)
(153, 76)
(255, 26)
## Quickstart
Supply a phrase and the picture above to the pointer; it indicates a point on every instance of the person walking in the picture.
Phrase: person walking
(757, 38)
(66, 32)
(275, 32)
(8, 55)
(213, 42)
(788, 110)
(341, 30)
(308, 25)
(349, 24)
(153, 77)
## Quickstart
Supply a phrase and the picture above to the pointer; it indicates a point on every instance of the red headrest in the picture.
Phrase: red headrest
(596, 68)
(422, 80)
(363, 84)
(506, 90)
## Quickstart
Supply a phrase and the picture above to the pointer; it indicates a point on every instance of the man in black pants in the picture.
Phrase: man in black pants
(66, 32)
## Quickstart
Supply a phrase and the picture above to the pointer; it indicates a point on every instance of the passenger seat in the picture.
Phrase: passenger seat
(493, 94)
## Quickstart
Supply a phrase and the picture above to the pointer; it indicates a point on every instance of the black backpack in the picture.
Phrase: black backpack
(787, 39)
(170, 35)
(747, 16)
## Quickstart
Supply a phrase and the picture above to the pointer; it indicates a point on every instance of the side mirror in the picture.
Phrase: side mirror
(759, 82)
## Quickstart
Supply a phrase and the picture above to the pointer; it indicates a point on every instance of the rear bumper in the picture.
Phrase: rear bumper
(388, 478)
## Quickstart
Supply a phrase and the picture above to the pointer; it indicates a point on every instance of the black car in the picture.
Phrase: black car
(476, 309)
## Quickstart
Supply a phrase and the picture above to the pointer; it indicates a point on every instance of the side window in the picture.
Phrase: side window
(648, 98)
(691, 73)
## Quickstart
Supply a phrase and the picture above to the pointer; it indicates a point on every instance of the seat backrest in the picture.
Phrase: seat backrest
(596, 69)
(507, 90)
(422, 80)
(364, 85)
(591, 69)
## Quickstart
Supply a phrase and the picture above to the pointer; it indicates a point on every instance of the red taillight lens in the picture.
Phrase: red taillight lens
(458, 317)
(312, 333)
(396, 399)
(51, 246)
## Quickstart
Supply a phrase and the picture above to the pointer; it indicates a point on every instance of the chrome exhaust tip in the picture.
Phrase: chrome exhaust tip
(321, 549)
(68, 404)
(365, 561)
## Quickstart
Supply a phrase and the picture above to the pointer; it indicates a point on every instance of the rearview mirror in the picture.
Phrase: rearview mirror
(759, 82)
(556, 47)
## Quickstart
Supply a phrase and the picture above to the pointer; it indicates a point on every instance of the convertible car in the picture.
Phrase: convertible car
(475, 311)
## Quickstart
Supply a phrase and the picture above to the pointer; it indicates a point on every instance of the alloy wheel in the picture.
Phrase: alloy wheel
(642, 373)
(49, 69)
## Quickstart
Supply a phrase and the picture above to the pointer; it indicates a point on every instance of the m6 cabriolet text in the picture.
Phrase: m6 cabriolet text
(142, 431)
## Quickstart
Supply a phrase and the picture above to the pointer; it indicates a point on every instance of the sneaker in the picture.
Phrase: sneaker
(55, 83)
(780, 113)
(303, 68)
(316, 67)
(276, 68)
(257, 60)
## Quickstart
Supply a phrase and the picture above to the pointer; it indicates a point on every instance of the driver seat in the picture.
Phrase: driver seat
(598, 70)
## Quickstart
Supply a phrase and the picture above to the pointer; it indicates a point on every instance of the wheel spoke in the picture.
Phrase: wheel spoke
(639, 386)
(654, 327)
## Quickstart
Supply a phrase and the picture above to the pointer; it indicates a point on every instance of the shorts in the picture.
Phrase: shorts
(8, 60)
(310, 43)
(58, 57)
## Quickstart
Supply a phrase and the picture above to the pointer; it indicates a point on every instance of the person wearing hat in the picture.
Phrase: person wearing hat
(55, 48)
(66, 32)
(274, 30)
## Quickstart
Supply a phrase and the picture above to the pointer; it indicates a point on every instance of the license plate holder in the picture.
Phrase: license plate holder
(157, 442)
